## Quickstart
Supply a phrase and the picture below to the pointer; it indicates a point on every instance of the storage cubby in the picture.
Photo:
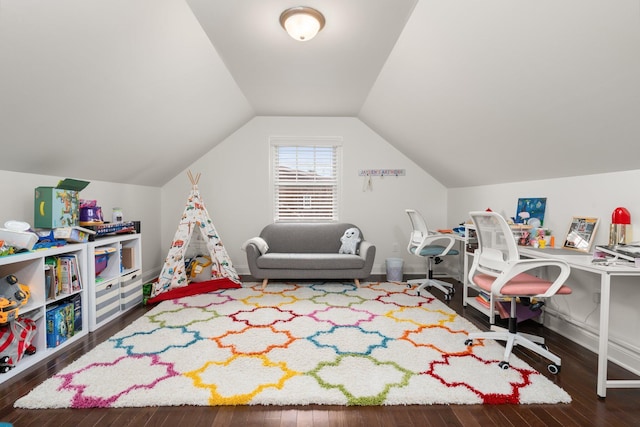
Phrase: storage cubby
(118, 286)
(470, 291)
(29, 268)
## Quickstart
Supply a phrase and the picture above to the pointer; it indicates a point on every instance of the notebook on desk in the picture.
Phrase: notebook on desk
(628, 252)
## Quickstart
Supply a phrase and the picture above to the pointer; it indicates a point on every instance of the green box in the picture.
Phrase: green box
(58, 206)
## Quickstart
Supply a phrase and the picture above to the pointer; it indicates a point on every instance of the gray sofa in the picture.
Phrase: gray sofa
(307, 251)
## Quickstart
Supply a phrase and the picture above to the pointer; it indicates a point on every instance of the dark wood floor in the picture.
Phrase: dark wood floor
(578, 377)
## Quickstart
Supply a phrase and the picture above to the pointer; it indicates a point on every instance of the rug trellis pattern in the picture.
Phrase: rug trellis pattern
(293, 345)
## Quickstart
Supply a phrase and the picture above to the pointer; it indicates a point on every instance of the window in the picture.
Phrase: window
(305, 178)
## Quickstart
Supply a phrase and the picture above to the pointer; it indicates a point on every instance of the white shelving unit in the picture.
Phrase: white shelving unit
(117, 288)
(29, 268)
(469, 298)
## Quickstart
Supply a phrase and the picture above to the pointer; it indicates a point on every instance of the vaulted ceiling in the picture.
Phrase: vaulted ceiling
(475, 92)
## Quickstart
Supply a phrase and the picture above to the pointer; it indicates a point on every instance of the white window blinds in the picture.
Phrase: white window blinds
(305, 178)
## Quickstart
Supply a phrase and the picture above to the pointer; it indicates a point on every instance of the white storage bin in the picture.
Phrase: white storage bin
(130, 290)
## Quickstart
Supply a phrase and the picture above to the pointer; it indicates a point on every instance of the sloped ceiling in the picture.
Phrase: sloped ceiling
(475, 92)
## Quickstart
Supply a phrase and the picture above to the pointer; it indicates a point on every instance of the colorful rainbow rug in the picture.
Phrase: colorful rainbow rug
(295, 345)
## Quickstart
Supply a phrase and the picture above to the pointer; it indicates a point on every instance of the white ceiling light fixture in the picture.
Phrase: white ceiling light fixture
(302, 23)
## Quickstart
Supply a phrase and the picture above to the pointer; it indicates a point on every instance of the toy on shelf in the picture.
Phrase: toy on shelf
(90, 213)
(15, 342)
(15, 333)
(18, 235)
(13, 295)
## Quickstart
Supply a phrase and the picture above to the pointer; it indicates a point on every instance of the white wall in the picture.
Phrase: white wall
(236, 189)
(592, 195)
(138, 203)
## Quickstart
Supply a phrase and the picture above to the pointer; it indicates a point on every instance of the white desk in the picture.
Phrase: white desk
(583, 262)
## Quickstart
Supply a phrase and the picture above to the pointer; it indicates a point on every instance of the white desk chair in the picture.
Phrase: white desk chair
(431, 246)
(498, 269)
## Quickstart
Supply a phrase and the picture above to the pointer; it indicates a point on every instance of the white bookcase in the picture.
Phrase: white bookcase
(29, 268)
(118, 287)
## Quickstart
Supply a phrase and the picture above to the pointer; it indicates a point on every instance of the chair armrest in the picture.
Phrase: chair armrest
(367, 249)
(253, 253)
(368, 252)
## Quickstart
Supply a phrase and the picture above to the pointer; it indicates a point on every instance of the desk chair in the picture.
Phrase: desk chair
(423, 244)
(498, 269)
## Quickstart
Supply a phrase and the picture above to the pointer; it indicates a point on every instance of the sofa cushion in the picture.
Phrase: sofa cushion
(303, 238)
(302, 261)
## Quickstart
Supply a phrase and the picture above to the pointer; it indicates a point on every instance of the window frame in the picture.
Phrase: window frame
(333, 142)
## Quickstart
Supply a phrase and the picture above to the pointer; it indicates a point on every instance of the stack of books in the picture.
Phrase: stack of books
(503, 307)
(62, 276)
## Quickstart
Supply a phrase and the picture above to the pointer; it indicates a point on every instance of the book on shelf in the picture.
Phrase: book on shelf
(62, 275)
(484, 299)
(51, 278)
(500, 305)
(75, 279)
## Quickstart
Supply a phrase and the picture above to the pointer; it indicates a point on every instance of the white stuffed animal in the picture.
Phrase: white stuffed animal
(350, 240)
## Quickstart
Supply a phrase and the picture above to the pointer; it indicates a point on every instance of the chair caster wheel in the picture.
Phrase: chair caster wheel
(553, 368)
(503, 365)
(468, 341)
(447, 297)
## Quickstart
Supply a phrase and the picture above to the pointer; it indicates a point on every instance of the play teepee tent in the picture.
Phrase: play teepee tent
(174, 281)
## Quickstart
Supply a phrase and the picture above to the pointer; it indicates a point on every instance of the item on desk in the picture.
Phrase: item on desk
(620, 219)
(459, 230)
(626, 253)
(581, 234)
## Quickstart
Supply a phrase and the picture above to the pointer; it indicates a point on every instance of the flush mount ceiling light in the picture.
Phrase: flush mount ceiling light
(302, 23)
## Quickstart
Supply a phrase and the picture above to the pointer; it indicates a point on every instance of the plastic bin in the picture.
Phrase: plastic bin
(101, 262)
(394, 269)
(102, 258)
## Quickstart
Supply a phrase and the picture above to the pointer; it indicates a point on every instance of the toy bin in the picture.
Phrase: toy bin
(58, 206)
(130, 290)
(102, 259)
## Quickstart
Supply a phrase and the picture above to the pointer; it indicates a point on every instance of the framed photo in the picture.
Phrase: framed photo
(581, 233)
(530, 211)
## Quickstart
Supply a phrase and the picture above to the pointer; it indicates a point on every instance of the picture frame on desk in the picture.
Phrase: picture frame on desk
(582, 232)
